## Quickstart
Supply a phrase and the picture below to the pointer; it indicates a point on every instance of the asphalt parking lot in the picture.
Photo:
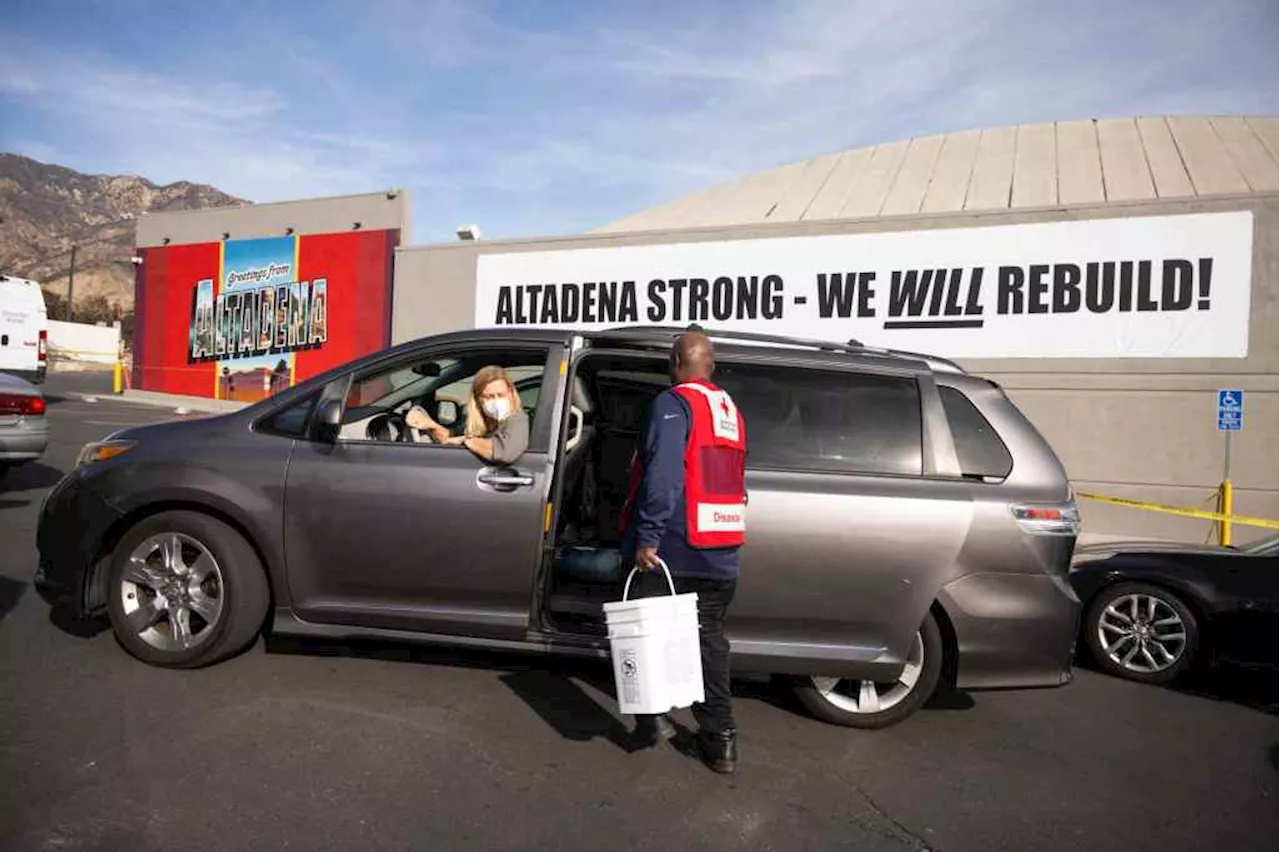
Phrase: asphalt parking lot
(376, 746)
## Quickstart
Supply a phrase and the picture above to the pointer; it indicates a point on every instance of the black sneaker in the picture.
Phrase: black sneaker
(719, 751)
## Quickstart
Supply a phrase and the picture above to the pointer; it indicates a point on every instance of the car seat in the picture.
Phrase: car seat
(579, 478)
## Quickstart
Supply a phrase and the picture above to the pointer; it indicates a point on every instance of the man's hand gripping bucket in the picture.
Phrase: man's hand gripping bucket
(657, 662)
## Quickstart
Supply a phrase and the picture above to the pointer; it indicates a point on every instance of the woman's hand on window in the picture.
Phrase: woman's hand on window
(418, 418)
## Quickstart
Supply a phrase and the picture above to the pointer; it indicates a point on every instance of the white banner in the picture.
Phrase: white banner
(1151, 287)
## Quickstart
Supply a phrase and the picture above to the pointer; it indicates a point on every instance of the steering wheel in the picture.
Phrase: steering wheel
(398, 420)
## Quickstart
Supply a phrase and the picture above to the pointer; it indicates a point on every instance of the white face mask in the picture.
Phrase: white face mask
(498, 409)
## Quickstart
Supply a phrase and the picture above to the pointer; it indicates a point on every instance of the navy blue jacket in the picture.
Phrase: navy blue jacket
(658, 516)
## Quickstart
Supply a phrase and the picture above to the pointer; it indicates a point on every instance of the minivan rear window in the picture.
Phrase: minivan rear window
(981, 452)
(827, 421)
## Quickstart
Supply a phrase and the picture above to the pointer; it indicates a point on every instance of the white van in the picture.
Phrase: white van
(24, 329)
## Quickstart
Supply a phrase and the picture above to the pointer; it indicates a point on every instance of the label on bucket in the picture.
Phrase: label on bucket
(630, 670)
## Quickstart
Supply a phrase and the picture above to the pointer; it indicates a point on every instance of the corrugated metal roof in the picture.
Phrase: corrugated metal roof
(1030, 165)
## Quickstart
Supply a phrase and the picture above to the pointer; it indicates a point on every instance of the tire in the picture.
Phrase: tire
(841, 703)
(1141, 632)
(219, 582)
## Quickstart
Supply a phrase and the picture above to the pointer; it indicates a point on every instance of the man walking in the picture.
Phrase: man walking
(687, 504)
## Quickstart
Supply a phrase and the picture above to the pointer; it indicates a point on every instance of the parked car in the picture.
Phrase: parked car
(1152, 609)
(24, 329)
(908, 526)
(24, 428)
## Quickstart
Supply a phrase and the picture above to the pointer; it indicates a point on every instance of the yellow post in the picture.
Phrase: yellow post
(1224, 528)
(117, 378)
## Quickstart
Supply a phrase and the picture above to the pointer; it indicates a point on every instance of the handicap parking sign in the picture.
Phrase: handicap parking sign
(1230, 410)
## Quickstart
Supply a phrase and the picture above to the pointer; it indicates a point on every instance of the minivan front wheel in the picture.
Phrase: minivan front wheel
(185, 590)
(871, 704)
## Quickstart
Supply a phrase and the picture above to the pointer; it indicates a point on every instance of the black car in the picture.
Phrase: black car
(1152, 609)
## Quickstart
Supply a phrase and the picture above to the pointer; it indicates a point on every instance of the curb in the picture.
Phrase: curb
(179, 403)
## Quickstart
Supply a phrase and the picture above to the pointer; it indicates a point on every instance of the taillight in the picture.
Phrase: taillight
(44, 347)
(1055, 519)
(12, 403)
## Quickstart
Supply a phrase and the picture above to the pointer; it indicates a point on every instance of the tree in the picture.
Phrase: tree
(56, 305)
(97, 308)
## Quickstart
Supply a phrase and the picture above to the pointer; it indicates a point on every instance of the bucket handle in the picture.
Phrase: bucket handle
(665, 570)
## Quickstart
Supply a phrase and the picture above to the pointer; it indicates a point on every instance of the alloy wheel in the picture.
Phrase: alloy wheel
(866, 696)
(1142, 633)
(172, 592)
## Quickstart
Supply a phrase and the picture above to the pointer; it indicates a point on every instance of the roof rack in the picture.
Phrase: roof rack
(853, 347)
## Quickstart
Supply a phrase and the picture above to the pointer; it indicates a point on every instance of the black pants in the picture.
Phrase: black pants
(715, 714)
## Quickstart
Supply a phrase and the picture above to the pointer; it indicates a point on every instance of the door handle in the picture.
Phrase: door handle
(506, 480)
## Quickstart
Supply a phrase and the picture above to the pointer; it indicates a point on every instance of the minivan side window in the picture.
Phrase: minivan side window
(827, 421)
(377, 401)
(979, 449)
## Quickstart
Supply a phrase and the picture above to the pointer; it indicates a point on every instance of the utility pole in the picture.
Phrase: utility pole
(71, 283)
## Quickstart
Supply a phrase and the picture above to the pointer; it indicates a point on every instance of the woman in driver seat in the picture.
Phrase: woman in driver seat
(497, 428)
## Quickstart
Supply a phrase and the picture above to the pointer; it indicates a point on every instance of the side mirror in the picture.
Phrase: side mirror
(447, 412)
(429, 369)
(328, 420)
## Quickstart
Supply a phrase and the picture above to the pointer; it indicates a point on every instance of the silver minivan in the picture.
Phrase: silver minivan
(908, 529)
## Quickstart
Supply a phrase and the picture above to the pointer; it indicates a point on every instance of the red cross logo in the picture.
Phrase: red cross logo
(724, 406)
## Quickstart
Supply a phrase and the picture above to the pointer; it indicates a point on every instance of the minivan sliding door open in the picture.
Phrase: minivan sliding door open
(608, 400)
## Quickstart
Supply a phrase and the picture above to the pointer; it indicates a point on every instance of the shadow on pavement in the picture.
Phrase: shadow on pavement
(544, 684)
(373, 649)
(564, 706)
(11, 592)
(1250, 687)
(1254, 687)
(82, 628)
(950, 700)
(30, 475)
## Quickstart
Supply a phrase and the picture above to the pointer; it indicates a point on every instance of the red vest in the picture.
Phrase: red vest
(715, 456)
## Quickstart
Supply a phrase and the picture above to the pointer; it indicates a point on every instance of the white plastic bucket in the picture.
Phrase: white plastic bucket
(657, 662)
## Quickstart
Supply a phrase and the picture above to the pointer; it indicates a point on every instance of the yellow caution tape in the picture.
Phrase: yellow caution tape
(1247, 520)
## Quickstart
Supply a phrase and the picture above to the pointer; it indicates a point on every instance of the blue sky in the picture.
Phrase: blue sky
(535, 118)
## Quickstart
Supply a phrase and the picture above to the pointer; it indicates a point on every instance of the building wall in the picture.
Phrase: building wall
(77, 341)
(240, 302)
(371, 211)
(1135, 428)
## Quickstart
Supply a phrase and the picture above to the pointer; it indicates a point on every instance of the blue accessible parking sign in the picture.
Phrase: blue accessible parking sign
(1230, 410)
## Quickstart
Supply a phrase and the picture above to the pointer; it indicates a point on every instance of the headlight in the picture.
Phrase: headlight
(103, 450)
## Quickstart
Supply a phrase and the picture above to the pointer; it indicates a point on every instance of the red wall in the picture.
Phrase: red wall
(359, 317)
(163, 292)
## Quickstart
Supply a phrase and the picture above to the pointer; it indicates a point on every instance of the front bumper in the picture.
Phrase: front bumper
(1012, 630)
(74, 523)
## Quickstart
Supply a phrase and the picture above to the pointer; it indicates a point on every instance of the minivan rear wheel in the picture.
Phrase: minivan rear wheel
(185, 590)
(870, 704)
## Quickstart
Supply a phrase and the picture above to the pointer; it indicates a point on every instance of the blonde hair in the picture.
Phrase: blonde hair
(479, 424)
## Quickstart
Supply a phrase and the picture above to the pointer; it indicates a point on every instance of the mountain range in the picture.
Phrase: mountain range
(46, 209)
